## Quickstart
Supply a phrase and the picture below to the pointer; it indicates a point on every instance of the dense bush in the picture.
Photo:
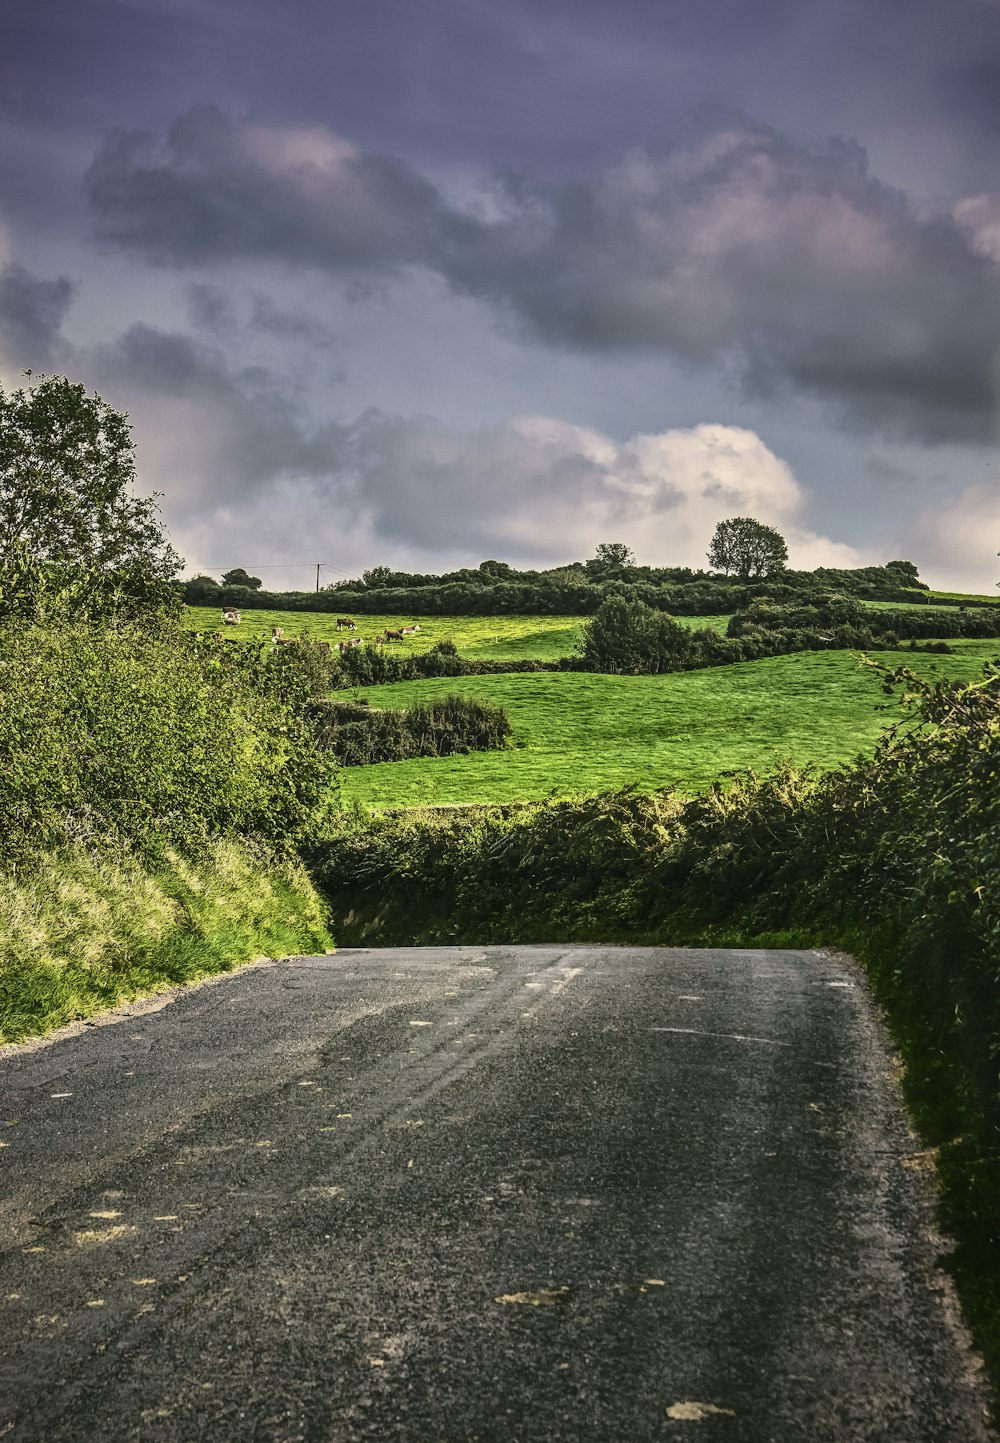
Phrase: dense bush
(834, 613)
(630, 638)
(358, 734)
(151, 735)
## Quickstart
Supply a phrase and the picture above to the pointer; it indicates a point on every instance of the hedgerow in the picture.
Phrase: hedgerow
(358, 735)
(149, 735)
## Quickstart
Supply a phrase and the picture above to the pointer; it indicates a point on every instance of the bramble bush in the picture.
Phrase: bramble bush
(151, 735)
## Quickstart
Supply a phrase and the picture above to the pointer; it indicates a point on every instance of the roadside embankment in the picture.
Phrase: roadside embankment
(81, 932)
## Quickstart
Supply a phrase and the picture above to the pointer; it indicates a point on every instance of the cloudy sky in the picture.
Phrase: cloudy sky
(422, 282)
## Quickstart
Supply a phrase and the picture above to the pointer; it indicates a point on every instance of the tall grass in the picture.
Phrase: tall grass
(81, 931)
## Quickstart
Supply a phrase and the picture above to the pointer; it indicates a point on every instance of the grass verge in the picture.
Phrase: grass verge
(81, 933)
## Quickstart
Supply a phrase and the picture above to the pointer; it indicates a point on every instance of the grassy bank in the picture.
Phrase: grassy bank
(580, 732)
(80, 933)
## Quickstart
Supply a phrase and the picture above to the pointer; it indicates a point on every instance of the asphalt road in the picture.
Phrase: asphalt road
(439, 1195)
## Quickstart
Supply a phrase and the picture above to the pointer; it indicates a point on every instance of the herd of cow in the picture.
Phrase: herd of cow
(231, 617)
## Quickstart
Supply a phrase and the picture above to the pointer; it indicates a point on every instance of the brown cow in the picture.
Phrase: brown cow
(393, 635)
(346, 623)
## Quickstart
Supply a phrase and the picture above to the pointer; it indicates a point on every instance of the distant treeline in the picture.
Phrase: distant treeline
(576, 590)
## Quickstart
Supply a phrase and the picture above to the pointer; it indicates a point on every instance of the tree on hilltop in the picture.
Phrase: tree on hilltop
(614, 553)
(747, 548)
(238, 577)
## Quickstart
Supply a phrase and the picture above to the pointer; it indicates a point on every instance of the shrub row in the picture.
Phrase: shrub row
(576, 590)
(358, 735)
(838, 612)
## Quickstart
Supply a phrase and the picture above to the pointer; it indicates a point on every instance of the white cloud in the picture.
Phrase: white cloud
(957, 541)
(979, 217)
(542, 490)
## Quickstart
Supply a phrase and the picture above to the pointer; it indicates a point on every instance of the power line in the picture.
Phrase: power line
(278, 566)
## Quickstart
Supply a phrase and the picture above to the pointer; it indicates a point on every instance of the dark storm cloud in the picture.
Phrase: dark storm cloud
(798, 262)
(211, 309)
(216, 190)
(973, 90)
(31, 315)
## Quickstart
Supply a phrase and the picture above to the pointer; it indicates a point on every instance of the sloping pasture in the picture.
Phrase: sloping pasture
(579, 732)
(505, 638)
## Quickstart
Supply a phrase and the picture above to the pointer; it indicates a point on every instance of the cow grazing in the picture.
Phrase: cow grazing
(346, 623)
(348, 645)
(230, 616)
(393, 635)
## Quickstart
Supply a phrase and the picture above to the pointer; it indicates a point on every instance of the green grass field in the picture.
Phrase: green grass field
(578, 732)
(505, 638)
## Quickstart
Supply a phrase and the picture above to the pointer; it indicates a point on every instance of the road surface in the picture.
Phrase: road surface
(441, 1195)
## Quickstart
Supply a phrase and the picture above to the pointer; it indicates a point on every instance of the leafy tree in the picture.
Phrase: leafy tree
(615, 553)
(747, 548)
(238, 577)
(907, 570)
(67, 464)
(377, 576)
(71, 531)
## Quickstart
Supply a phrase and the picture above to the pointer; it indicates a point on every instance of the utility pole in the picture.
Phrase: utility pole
(318, 565)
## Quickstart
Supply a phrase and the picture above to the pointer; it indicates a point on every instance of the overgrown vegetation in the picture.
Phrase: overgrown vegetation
(153, 782)
(143, 757)
(151, 736)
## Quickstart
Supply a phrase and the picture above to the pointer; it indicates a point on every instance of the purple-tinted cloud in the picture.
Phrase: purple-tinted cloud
(799, 262)
(31, 315)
